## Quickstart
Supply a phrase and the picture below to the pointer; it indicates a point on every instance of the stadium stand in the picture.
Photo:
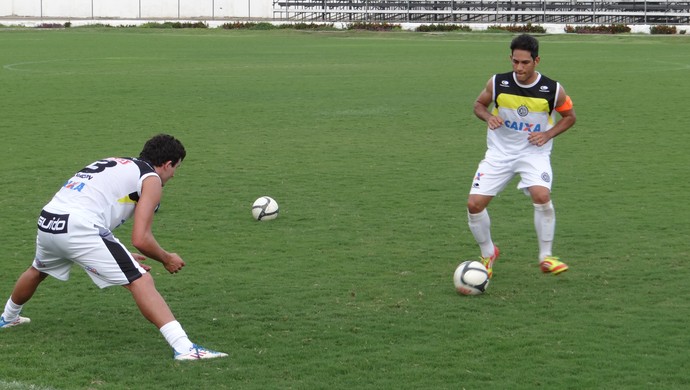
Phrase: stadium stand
(480, 11)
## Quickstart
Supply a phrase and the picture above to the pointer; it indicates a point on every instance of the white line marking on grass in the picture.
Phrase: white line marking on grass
(21, 66)
(21, 386)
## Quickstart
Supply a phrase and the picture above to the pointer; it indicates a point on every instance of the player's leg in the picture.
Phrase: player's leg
(544, 219)
(26, 285)
(480, 222)
(156, 310)
(545, 226)
(490, 179)
(24, 289)
(150, 302)
(480, 226)
(109, 263)
(536, 179)
(117, 266)
(46, 262)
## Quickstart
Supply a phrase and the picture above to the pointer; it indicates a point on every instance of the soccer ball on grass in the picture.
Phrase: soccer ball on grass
(471, 278)
(265, 209)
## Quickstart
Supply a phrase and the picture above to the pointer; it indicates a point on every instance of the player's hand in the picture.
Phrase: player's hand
(538, 138)
(494, 122)
(173, 263)
(139, 258)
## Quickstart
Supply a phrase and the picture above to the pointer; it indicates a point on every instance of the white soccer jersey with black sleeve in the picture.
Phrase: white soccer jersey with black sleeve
(106, 190)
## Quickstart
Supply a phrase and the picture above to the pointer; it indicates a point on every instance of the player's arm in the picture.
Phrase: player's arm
(142, 231)
(564, 106)
(481, 106)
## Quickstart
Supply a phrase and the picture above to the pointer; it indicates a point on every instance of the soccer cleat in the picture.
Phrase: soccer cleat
(198, 352)
(489, 261)
(551, 265)
(17, 321)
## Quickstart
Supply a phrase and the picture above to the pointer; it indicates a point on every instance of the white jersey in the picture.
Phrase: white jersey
(524, 109)
(105, 191)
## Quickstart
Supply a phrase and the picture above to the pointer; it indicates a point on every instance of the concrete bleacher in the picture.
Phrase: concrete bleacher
(478, 11)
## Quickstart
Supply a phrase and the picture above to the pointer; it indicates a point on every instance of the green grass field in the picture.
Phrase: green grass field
(369, 144)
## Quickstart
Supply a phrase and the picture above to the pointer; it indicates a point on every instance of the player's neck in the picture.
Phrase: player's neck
(530, 82)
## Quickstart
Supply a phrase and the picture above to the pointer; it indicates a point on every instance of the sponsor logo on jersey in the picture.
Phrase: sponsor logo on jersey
(83, 176)
(505, 83)
(544, 88)
(53, 223)
(74, 185)
(523, 126)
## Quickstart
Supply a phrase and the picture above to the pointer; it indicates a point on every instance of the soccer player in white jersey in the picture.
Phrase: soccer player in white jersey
(521, 127)
(75, 228)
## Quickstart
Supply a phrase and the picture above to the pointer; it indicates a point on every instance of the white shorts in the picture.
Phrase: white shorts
(67, 239)
(492, 175)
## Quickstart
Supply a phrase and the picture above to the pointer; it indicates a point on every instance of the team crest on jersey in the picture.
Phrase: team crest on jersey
(523, 111)
(545, 176)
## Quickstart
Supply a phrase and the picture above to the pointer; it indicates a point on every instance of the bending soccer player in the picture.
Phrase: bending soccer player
(75, 227)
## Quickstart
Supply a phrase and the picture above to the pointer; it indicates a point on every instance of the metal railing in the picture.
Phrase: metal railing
(478, 11)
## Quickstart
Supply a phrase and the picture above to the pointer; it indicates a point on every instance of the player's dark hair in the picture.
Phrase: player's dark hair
(526, 42)
(161, 149)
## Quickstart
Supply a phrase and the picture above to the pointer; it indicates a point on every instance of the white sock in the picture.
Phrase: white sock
(545, 225)
(480, 226)
(176, 336)
(12, 310)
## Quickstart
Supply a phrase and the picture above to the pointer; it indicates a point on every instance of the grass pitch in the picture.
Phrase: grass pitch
(369, 144)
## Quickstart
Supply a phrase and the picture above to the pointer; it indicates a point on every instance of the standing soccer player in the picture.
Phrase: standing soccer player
(521, 128)
(75, 227)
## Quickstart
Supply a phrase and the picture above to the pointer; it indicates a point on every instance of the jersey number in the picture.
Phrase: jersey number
(99, 166)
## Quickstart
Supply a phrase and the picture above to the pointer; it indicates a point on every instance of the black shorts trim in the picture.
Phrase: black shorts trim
(123, 258)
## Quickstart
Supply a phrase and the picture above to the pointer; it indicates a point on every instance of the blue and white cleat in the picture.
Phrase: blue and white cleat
(198, 352)
(17, 321)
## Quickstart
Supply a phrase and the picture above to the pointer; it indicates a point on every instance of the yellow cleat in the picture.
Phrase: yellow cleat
(551, 265)
(489, 261)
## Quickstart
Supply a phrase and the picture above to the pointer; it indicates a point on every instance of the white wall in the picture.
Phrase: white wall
(137, 9)
(122, 9)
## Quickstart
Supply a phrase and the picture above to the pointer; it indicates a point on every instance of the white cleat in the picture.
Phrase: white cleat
(198, 352)
(17, 321)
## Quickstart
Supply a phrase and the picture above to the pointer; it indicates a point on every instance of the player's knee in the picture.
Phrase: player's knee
(36, 274)
(540, 195)
(145, 281)
(541, 198)
(476, 205)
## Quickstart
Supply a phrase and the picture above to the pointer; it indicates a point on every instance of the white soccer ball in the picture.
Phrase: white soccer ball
(265, 209)
(471, 278)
